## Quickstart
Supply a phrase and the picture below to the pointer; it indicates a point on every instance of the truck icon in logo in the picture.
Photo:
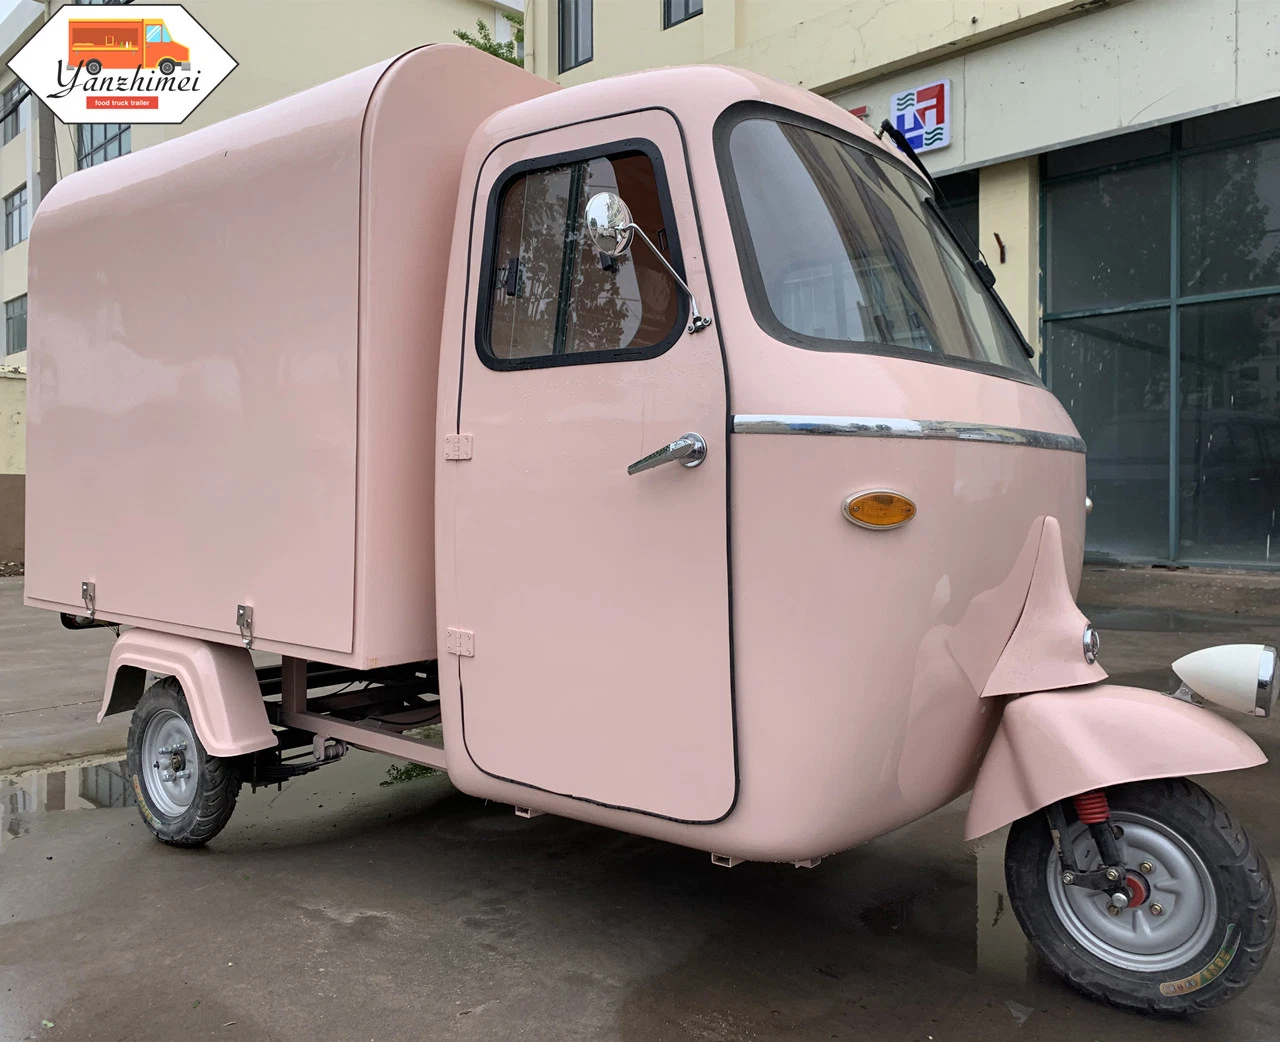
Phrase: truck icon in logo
(124, 43)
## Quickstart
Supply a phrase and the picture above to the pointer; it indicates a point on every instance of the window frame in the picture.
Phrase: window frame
(86, 159)
(1171, 305)
(10, 320)
(489, 269)
(753, 283)
(669, 22)
(560, 35)
(21, 214)
(16, 121)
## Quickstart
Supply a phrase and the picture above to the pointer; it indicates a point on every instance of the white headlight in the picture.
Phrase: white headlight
(1235, 676)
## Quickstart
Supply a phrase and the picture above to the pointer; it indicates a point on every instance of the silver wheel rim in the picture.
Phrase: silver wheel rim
(1137, 938)
(170, 766)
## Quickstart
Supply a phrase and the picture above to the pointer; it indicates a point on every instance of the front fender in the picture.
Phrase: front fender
(1055, 744)
(219, 682)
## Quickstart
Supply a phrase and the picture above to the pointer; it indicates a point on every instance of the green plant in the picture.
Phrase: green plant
(482, 39)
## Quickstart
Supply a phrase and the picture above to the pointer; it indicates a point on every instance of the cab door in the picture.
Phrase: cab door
(598, 599)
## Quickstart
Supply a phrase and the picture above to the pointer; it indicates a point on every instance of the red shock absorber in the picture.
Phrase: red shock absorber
(1092, 807)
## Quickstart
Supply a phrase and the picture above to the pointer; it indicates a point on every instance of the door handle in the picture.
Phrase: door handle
(689, 450)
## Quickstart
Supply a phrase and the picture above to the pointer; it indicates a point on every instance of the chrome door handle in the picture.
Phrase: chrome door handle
(689, 451)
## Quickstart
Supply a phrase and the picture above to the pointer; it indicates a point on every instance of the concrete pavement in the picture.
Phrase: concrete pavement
(341, 909)
(51, 682)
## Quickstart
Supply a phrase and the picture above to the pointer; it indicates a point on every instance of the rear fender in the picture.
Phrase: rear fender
(219, 682)
(1055, 744)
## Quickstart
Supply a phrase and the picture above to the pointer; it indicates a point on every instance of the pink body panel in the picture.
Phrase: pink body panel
(853, 714)
(599, 600)
(243, 411)
(218, 680)
(1059, 743)
(1047, 647)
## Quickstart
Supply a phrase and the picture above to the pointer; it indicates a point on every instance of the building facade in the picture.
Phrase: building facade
(282, 46)
(1118, 166)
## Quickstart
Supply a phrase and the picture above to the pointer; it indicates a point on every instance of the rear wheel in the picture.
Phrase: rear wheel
(185, 795)
(93, 66)
(1202, 916)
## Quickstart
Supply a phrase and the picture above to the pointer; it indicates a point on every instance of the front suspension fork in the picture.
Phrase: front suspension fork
(1123, 887)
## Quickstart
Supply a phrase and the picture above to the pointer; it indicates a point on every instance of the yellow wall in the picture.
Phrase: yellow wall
(1009, 206)
(284, 46)
(13, 432)
(13, 161)
(819, 44)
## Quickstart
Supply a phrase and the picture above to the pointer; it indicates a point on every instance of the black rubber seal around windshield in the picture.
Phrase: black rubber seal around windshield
(753, 282)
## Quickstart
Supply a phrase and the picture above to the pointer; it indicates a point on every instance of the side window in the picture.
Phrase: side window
(552, 299)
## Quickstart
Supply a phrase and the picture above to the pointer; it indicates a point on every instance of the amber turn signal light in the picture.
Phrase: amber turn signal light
(880, 509)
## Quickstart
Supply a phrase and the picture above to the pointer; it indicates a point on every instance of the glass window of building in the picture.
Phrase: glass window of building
(958, 201)
(15, 325)
(17, 218)
(676, 11)
(575, 33)
(98, 142)
(1162, 334)
(15, 112)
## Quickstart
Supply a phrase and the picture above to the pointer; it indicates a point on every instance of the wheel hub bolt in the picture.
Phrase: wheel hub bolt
(1112, 910)
(1157, 909)
(166, 776)
(1146, 867)
(1119, 901)
(184, 774)
(1068, 878)
(1113, 874)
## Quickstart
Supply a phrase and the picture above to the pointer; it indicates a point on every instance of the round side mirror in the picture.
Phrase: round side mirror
(609, 224)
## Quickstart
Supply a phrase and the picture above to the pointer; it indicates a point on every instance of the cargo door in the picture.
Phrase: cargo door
(592, 604)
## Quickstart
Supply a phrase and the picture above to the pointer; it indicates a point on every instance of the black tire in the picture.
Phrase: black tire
(167, 67)
(1235, 941)
(213, 790)
(93, 66)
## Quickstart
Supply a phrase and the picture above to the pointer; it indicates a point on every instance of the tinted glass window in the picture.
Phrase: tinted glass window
(1112, 374)
(1230, 210)
(552, 294)
(1109, 239)
(843, 253)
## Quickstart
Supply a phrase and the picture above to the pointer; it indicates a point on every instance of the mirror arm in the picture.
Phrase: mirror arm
(697, 321)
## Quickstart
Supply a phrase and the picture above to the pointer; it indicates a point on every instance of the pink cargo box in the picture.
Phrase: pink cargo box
(237, 407)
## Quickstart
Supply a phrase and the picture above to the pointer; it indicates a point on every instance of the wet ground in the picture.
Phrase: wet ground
(343, 909)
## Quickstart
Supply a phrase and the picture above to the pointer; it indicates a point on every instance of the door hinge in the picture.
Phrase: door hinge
(89, 594)
(457, 446)
(460, 642)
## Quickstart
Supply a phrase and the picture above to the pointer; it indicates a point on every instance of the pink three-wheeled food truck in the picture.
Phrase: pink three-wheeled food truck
(657, 439)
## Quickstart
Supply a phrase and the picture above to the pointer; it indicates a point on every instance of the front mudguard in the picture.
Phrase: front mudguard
(1055, 744)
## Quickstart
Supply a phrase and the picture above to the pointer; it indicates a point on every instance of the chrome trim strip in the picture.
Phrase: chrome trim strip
(1267, 674)
(885, 427)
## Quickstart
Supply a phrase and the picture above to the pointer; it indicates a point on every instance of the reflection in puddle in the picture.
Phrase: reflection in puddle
(1155, 620)
(94, 787)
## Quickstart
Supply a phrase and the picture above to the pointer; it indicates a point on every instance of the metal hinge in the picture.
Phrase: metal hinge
(460, 642)
(89, 594)
(457, 446)
(244, 622)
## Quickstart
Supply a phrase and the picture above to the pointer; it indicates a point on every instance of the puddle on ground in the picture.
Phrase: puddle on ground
(89, 787)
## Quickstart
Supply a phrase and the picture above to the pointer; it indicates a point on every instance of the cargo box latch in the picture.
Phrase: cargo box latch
(457, 446)
(244, 622)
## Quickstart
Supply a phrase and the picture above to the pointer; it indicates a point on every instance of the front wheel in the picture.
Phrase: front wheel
(1204, 911)
(185, 796)
(167, 67)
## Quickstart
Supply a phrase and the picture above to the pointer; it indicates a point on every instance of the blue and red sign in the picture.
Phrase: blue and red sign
(924, 115)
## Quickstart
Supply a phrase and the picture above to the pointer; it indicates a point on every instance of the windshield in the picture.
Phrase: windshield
(842, 252)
